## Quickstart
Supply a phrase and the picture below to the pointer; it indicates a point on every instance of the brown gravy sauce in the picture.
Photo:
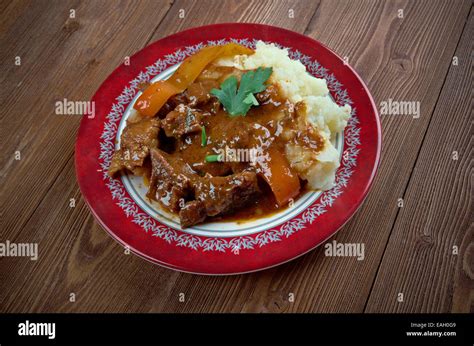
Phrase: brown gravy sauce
(261, 128)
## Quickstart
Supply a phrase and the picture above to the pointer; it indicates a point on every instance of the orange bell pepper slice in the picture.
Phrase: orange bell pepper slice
(279, 175)
(156, 95)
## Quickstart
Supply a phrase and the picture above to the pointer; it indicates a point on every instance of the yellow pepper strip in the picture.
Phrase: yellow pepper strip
(156, 95)
(277, 172)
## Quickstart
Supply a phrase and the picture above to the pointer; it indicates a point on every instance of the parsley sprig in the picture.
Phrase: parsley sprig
(203, 137)
(213, 158)
(238, 101)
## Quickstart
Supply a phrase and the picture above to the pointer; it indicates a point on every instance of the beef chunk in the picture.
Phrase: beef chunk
(135, 143)
(222, 195)
(182, 120)
(192, 213)
(169, 183)
(199, 92)
(180, 189)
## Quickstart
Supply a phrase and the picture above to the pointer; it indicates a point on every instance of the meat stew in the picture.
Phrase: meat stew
(204, 164)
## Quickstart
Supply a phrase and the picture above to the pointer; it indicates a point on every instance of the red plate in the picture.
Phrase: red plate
(236, 248)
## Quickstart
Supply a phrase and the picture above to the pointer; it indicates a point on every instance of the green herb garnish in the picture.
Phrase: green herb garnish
(238, 102)
(203, 137)
(212, 158)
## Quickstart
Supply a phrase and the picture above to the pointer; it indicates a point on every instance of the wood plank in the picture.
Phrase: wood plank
(93, 253)
(378, 45)
(73, 251)
(340, 285)
(403, 68)
(204, 12)
(75, 56)
(438, 212)
(78, 256)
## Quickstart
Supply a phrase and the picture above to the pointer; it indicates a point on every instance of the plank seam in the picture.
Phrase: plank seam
(40, 201)
(416, 160)
(159, 23)
(43, 198)
(306, 29)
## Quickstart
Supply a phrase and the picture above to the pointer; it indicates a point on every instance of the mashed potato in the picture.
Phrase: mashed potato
(321, 112)
(289, 74)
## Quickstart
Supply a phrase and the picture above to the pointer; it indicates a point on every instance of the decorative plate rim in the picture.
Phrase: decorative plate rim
(234, 244)
(156, 250)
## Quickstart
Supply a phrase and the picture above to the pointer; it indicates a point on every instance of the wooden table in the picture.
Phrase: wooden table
(423, 250)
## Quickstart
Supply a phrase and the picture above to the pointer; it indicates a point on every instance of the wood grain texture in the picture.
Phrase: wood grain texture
(343, 284)
(59, 219)
(203, 12)
(394, 56)
(76, 56)
(420, 260)
(374, 49)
